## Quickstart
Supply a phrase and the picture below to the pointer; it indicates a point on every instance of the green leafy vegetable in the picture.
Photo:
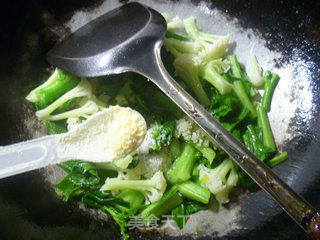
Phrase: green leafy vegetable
(58, 84)
(211, 74)
(207, 153)
(152, 189)
(193, 165)
(278, 159)
(151, 101)
(180, 215)
(227, 110)
(171, 34)
(55, 127)
(170, 200)
(134, 198)
(162, 134)
(239, 89)
(187, 68)
(110, 85)
(193, 207)
(194, 191)
(82, 176)
(119, 209)
(263, 123)
(219, 180)
(252, 141)
(269, 86)
(181, 169)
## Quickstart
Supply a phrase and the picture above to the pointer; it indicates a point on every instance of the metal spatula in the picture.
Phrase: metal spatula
(129, 38)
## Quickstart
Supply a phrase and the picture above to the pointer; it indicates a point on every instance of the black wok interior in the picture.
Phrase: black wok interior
(29, 209)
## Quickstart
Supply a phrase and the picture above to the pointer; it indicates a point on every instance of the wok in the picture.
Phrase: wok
(285, 36)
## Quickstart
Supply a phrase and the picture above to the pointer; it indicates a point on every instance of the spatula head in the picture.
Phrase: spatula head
(112, 43)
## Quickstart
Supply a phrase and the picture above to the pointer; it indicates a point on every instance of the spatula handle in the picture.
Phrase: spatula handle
(26, 156)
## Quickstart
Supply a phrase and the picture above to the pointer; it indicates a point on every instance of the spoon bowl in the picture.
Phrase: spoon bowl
(111, 43)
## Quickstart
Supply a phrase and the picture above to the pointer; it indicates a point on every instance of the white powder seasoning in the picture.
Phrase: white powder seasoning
(105, 136)
(189, 131)
(147, 143)
(151, 163)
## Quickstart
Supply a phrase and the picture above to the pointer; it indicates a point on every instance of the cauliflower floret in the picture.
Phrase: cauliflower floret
(255, 73)
(152, 188)
(215, 50)
(189, 131)
(175, 24)
(217, 182)
(149, 164)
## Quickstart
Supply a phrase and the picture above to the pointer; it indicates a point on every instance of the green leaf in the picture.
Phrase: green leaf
(55, 127)
(115, 206)
(228, 110)
(66, 106)
(193, 207)
(82, 176)
(110, 85)
(67, 188)
(246, 182)
(180, 215)
(224, 107)
(278, 159)
(252, 141)
(170, 34)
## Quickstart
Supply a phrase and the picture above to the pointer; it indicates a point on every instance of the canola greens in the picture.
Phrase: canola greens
(190, 170)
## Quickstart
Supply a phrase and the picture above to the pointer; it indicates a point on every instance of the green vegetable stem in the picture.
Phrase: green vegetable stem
(263, 123)
(194, 191)
(269, 86)
(181, 168)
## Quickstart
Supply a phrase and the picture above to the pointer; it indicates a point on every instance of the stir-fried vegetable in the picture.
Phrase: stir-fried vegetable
(177, 169)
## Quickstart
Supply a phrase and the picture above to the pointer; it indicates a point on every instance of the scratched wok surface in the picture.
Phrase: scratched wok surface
(284, 35)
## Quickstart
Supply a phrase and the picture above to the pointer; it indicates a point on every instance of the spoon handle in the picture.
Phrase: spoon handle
(26, 156)
(298, 209)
